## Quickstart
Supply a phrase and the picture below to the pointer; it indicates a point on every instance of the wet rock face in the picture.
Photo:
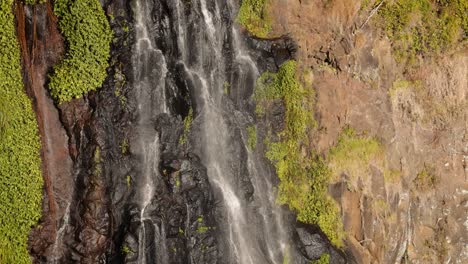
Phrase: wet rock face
(100, 219)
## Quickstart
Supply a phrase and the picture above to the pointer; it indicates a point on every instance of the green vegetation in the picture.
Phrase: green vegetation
(253, 15)
(88, 36)
(20, 164)
(32, 2)
(303, 175)
(251, 137)
(353, 153)
(187, 124)
(97, 162)
(402, 85)
(124, 146)
(226, 87)
(126, 250)
(177, 178)
(181, 232)
(286, 258)
(3, 118)
(426, 179)
(324, 259)
(128, 179)
(421, 27)
(202, 229)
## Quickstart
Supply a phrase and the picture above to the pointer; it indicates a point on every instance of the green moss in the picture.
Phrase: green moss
(32, 2)
(426, 179)
(181, 232)
(20, 164)
(253, 15)
(88, 36)
(422, 27)
(125, 250)
(202, 229)
(128, 179)
(353, 153)
(324, 259)
(251, 137)
(187, 124)
(124, 146)
(304, 177)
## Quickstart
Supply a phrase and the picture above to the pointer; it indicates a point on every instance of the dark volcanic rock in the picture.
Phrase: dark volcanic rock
(100, 217)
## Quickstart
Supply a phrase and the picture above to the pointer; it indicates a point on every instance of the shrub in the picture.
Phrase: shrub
(304, 177)
(20, 163)
(88, 36)
(253, 15)
(421, 27)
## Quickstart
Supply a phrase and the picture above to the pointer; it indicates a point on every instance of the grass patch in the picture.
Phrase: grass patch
(353, 153)
(88, 36)
(253, 15)
(422, 27)
(20, 164)
(303, 175)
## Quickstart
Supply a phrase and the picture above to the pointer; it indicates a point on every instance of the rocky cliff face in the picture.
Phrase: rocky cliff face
(417, 215)
(154, 166)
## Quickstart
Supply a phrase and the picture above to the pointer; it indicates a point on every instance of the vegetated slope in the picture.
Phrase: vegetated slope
(391, 100)
(304, 178)
(20, 174)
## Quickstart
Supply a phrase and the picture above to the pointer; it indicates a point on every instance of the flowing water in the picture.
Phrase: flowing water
(149, 75)
(211, 51)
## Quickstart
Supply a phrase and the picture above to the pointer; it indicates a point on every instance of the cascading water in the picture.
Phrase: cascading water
(149, 73)
(203, 33)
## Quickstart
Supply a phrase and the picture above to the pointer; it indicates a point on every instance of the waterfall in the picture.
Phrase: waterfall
(150, 71)
(202, 33)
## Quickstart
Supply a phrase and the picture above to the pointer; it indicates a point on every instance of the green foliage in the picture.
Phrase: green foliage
(421, 27)
(124, 146)
(304, 177)
(3, 118)
(202, 229)
(324, 259)
(187, 124)
(128, 180)
(353, 153)
(126, 250)
(88, 35)
(251, 137)
(253, 15)
(226, 87)
(20, 164)
(426, 179)
(32, 2)
(97, 162)
(181, 232)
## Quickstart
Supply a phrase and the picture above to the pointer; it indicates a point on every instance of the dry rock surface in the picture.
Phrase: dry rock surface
(409, 206)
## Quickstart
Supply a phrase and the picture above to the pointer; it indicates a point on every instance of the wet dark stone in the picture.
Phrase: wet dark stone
(184, 221)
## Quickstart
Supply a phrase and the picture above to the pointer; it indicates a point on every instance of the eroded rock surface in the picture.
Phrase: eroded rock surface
(422, 127)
